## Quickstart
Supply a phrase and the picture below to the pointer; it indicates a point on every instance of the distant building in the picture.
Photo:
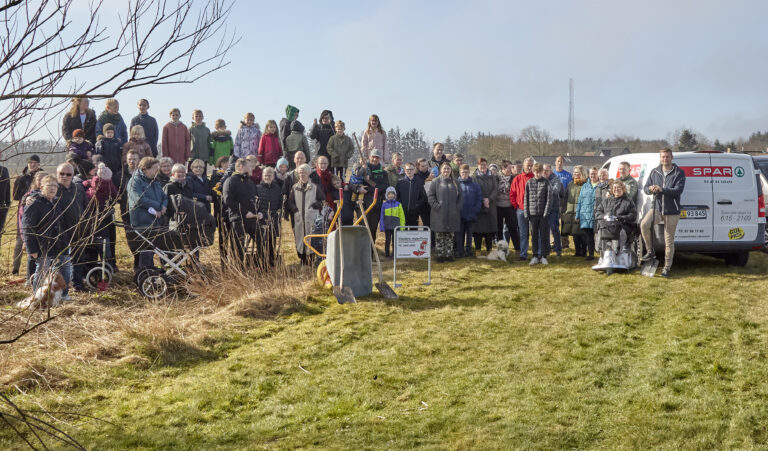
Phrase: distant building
(571, 161)
(609, 152)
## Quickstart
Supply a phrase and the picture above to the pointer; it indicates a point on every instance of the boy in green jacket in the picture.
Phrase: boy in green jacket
(221, 142)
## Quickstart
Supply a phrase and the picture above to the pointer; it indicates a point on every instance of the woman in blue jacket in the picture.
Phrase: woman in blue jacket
(585, 212)
(147, 203)
(473, 203)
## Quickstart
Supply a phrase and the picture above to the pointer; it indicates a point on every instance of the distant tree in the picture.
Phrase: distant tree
(687, 142)
(536, 138)
(394, 140)
(718, 146)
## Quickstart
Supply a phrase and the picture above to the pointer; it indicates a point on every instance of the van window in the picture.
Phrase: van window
(763, 165)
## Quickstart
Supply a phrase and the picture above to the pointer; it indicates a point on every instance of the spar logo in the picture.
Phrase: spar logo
(739, 171)
(710, 171)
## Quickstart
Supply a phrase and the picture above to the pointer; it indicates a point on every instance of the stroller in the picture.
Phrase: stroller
(191, 229)
(617, 246)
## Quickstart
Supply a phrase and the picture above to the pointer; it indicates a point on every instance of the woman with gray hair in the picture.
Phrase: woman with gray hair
(304, 203)
(166, 165)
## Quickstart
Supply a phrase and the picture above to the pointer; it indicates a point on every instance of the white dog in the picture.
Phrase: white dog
(500, 253)
(47, 295)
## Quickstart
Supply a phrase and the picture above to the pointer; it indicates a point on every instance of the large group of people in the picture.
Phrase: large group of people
(255, 180)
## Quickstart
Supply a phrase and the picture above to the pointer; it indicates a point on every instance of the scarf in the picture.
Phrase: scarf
(579, 181)
(327, 183)
(106, 118)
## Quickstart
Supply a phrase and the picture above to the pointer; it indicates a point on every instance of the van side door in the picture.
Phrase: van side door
(735, 198)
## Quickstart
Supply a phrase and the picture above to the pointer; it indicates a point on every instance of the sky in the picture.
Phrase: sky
(640, 69)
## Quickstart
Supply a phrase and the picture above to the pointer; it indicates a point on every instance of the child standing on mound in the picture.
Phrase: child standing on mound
(270, 149)
(392, 217)
(200, 137)
(248, 136)
(221, 142)
(176, 141)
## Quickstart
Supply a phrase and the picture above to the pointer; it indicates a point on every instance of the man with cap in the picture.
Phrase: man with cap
(377, 178)
(20, 188)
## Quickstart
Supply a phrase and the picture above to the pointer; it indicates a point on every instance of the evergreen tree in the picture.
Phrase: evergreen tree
(687, 142)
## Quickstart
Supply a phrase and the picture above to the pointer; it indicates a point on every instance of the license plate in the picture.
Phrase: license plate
(693, 213)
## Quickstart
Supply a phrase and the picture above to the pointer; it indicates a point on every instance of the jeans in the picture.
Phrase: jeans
(539, 235)
(670, 226)
(43, 266)
(522, 224)
(463, 238)
(554, 227)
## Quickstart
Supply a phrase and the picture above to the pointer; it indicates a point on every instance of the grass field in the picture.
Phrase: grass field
(491, 356)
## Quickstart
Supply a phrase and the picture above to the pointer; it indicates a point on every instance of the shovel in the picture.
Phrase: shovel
(103, 285)
(344, 295)
(649, 267)
(382, 286)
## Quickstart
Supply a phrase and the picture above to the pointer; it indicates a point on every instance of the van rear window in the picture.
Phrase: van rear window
(763, 165)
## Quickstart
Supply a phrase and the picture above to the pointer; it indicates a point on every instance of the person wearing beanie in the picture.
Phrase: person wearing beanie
(296, 141)
(291, 114)
(79, 145)
(392, 217)
(110, 149)
(282, 171)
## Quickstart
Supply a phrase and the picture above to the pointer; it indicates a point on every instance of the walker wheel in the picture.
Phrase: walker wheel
(93, 277)
(152, 284)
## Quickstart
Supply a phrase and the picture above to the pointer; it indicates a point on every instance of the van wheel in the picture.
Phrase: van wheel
(737, 259)
(765, 242)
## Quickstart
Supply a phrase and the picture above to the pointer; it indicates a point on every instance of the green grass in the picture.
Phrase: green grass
(491, 356)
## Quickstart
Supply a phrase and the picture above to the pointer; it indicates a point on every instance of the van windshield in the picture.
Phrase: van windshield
(763, 164)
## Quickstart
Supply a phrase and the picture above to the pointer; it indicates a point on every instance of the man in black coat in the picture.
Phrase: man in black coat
(239, 195)
(71, 203)
(5, 197)
(269, 202)
(20, 188)
(378, 179)
(411, 195)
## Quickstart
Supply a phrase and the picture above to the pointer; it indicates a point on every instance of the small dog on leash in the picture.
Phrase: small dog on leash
(500, 253)
(47, 295)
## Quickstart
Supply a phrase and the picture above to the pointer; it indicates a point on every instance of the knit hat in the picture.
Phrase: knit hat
(390, 189)
(104, 172)
(79, 133)
(34, 158)
(291, 112)
(108, 127)
(85, 168)
(282, 161)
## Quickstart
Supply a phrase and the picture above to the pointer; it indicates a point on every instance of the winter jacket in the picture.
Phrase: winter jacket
(239, 195)
(71, 203)
(375, 140)
(291, 112)
(379, 178)
(200, 139)
(538, 198)
(144, 194)
(176, 142)
(269, 151)
(22, 183)
(411, 194)
(325, 181)
(247, 141)
(81, 150)
(559, 194)
(270, 202)
(121, 130)
(392, 215)
(321, 134)
(486, 219)
(42, 228)
(672, 185)
(5, 190)
(304, 204)
(585, 207)
(296, 141)
(172, 188)
(200, 188)
(104, 191)
(111, 151)
(340, 149)
(69, 124)
(151, 131)
(517, 190)
(472, 194)
(221, 145)
(623, 208)
(565, 177)
(445, 199)
(571, 225)
(395, 174)
(437, 163)
(505, 183)
(631, 185)
(139, 145)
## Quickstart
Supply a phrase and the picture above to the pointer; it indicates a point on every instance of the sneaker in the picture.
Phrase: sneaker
(665, 273)
(534, 261)
(544, 261)
(646, 257)
(66, 298)
(15, 272)
(589, 258)
(522, 259)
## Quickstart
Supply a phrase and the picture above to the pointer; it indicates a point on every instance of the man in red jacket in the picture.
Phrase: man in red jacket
(517, 199)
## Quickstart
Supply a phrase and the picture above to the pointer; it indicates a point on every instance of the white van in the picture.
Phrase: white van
(723, 207)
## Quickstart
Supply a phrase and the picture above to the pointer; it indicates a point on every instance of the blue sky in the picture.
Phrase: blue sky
(640, 68)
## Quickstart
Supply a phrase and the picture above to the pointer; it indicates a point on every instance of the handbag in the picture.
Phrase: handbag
(570, 225)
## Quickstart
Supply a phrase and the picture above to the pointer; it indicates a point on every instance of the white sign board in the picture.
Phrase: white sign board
(412, 244)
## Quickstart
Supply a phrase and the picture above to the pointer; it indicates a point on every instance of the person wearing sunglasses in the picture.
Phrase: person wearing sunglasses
(71, 202)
